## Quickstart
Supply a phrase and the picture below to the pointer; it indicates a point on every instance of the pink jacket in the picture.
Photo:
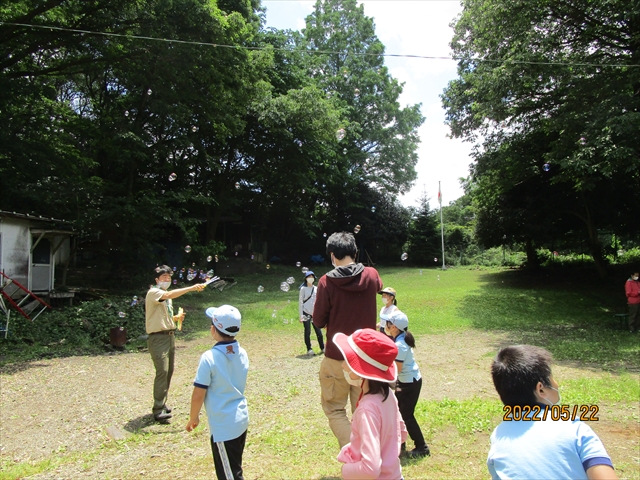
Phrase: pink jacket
(632, 289)
(377, 430)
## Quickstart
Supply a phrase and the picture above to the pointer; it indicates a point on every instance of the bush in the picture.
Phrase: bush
(84, 325)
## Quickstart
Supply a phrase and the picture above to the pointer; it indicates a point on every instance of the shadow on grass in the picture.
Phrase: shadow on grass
(569, 314)
(141, 424)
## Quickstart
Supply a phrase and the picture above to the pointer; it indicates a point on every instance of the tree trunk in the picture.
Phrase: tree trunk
(532, 256)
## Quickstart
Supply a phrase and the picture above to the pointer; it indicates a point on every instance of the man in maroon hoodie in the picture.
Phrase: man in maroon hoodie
(345, 302)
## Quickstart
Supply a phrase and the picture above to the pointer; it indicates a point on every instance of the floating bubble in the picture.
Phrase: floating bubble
(356, 92)
(546, 167)
(252, 256)
(404, 256)
(438, 277)
(435, 259)
(149, 92)
(583, 141)
(260, 289)
(303, 190)
(344, 151)
(172, 177)
(324, 235)
(122, 314)
(187, 249)
(305, 269)
(290, 280)
(175, 268)
(191, 276)
(356, 229)
(236, 254)
(209, 258)
(194, 129)
(420, 272)
(175, 282)
(373, 209)
(298, 264)
(216, 258)
(237, 185)
(268, 266)
(284, 286)
(126, 113)
(340, 134)
(273, 315)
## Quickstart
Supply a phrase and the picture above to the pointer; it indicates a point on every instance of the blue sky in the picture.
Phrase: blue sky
(418, 27)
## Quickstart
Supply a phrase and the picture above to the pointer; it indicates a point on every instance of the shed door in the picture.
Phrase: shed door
(41, 266)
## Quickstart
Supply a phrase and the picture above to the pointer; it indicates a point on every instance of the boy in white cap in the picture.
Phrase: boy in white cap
(377, 429)
(219, 385)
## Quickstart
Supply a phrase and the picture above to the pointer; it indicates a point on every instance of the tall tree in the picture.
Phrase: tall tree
(424, 243)
(551, 91)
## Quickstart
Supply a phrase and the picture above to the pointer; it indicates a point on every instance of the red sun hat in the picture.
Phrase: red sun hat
(369, 353)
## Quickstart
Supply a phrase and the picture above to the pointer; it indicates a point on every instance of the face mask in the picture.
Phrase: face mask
(559, 397)
(356, 383)
(310, 280)
(635, 278)
(164, 285)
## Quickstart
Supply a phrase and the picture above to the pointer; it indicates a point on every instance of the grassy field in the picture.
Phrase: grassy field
(460, 318)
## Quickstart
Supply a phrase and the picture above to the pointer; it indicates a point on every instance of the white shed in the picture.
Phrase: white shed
(31, 247)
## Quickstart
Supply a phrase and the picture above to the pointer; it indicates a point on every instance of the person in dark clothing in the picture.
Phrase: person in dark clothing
(345, 302)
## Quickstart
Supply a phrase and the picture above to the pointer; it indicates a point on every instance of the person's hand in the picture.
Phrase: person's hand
(301, 319)
(192, 424)
(199, 287)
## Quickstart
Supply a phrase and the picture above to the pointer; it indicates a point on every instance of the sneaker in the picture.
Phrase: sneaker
(310, 352)
(419, 452)
(162, 417)
(167, 408)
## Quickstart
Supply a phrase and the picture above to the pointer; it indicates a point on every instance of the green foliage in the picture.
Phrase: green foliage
(84, 327)
(424, 241)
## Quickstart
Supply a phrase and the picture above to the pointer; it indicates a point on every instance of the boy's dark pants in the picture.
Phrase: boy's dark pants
(634, 316)
(227, 457)
(407, 395)
(308, 321)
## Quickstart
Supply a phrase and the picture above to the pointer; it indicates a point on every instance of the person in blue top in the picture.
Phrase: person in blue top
(530, 444)
(409, 380)
(219, 385)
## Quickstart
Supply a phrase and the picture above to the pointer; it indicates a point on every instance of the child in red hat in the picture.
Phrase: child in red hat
(377, 429)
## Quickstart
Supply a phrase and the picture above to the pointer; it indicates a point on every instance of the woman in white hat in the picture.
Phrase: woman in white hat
(377, 429)
(389, 306)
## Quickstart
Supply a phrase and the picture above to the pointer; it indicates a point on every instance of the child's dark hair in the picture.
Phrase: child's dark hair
(395, 302)
(376, 387)
(342, 244)
(224, 336)
(408, 338)
(161, 270)
(516, 371)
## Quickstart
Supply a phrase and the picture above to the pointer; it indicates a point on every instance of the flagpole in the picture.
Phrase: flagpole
(441, 223)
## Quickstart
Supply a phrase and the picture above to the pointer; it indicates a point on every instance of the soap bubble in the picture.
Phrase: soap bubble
(298, 264)
(373, 209)
(340, 134)
(404, 256)
(237, 185)
(122, 314)
(546, 167)
(191, 276)
(126, 113)
(344, 151)
(149, 92)
(187, 249)
(324, 235)
(356, 229)
(175, 282)
(216, 258)
(435, 259)
(172, 177)
(252, 256)
(209, 258)
(268, 266)
(284, 286)
(305, 269)
(174, 269)
(260, 289)
(194, 129)
(356, 92)
(236, 254)
(273, 315)
(290, 280)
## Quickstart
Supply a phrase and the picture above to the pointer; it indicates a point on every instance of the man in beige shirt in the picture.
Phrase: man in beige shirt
(160, 324)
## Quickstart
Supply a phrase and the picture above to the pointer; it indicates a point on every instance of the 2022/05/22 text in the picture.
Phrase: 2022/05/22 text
(586, 413)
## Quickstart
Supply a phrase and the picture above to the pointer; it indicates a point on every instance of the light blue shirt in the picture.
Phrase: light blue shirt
(223, 372)
(410, 370)
(544, 449)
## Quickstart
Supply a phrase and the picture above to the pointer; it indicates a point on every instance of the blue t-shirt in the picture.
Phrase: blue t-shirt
(410, 370)
(544, 449)
(223, 372)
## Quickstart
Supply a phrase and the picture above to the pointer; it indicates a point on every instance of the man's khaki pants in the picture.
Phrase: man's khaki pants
(335, 391)
(162, 349)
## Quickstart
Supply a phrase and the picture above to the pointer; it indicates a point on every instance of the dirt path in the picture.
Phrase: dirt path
(65, 405)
